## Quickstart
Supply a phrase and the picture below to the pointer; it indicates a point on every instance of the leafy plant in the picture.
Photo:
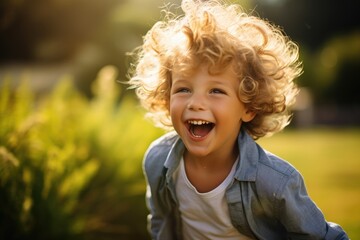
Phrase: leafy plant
(70, 167)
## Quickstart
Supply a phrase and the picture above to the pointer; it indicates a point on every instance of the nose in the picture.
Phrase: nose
(197, 102)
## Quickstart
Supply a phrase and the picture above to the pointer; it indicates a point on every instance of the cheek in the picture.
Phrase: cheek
(174, 107)
(171, 105)
(175, 114)
(232, 115)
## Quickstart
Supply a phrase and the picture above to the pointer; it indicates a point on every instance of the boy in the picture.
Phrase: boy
(222, 79)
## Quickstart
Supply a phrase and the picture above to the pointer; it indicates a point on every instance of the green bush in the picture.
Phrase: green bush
(70, 167)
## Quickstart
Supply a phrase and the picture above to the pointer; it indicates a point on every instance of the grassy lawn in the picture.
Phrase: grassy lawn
(329, 160)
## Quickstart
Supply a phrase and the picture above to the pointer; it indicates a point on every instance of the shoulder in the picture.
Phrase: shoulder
(274, 174)
(168, 139)
(276, 166)
(158, 151)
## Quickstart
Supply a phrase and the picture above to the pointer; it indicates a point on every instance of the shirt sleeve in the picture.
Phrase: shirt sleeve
(154, 218)
(300, 216)
(150, 169)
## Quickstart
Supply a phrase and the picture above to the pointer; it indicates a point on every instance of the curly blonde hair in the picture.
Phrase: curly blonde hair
(219, 35)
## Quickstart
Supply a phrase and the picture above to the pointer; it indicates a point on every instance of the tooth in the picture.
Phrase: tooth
(199, 122)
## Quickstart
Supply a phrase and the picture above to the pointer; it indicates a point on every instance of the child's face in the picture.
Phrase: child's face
(206, 111)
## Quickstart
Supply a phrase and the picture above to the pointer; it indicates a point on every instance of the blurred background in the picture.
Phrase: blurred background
(72, 136)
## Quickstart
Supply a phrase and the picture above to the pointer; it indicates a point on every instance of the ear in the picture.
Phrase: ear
(248, 116)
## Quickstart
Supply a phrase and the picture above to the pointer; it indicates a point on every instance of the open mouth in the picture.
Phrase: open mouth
(200, 128)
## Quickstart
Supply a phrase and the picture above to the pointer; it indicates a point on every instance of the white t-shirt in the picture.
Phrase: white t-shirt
(205, 215)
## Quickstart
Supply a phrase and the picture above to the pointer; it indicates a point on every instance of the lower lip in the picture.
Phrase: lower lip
(196, 139)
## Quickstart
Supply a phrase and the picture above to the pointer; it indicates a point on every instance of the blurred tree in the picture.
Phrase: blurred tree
(48, 30)
(340, 60)
(310, 22)
(328, 32)
(332, 71)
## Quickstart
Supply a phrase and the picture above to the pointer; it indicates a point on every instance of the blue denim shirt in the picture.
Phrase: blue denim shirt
(267, 199)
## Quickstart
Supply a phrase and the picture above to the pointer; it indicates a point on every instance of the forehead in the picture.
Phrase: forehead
(208, 69)
(205, 73)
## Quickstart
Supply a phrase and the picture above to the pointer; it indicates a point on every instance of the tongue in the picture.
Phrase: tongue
(201, 130)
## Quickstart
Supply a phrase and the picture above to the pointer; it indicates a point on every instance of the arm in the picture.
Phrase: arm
(152, 170)
(156, 193)
(154, 218)
(300, 216)
(161, 218)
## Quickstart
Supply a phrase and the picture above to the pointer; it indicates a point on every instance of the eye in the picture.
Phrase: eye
(181, 90)
(217, 91)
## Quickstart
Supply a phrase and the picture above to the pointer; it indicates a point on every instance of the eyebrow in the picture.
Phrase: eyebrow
(179, 80)
(184, 80)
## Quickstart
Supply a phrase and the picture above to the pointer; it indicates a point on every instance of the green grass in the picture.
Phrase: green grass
(329, 160)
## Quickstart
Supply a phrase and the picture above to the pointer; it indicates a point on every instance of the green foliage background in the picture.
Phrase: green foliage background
(70, 167)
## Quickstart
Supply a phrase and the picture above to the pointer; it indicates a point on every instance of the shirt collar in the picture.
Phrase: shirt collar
(174, 157)
(249, 158)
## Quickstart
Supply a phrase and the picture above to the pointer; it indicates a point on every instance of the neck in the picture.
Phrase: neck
(212, 161)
